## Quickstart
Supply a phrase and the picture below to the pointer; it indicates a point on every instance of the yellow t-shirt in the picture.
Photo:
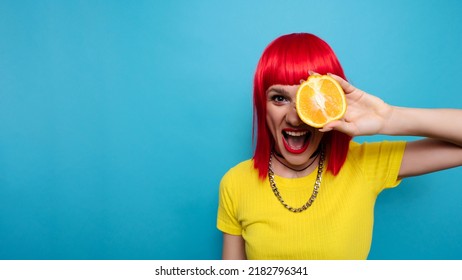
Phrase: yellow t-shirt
(337, 226)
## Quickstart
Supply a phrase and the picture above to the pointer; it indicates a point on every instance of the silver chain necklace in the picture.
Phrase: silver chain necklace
(316, 187)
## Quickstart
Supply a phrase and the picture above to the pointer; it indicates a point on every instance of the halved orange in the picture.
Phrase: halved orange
(320, 100)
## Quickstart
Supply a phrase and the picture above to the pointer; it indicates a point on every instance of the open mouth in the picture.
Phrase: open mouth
(296, 142)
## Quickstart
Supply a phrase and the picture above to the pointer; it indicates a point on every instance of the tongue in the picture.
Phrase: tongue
(296, 142)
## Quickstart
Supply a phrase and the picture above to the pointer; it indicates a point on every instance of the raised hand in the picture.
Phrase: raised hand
(365, 115)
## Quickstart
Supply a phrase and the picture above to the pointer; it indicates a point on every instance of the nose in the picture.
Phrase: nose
(292, 117)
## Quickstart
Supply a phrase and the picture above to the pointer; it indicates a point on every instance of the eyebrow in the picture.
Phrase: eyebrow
(277, 90)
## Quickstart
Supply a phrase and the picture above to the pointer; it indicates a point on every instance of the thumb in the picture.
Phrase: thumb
(339, 125)
(330, 126)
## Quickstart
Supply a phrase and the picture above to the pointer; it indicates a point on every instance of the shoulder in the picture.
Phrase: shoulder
(367, 156)
(243, 170)
(242, 167)
(372, 149)
(240, 175)
(377, 162)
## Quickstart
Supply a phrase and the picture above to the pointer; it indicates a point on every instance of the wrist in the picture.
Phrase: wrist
(399, 121)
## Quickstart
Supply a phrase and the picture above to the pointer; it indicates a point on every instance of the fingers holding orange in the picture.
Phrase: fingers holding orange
(347, 87)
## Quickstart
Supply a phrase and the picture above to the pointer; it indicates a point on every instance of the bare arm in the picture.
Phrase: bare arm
(443, 147)
(429, 155)
(369, 115)
(233, 247)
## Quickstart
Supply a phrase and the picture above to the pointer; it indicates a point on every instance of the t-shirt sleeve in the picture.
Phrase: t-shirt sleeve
(227, 220)
(381, 162)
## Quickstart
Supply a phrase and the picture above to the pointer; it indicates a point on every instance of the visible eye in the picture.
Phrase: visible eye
(279, 99)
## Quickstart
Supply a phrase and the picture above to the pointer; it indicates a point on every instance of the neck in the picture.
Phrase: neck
(282, 168)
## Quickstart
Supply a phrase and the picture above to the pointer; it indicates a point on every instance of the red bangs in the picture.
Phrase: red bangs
(286, 61)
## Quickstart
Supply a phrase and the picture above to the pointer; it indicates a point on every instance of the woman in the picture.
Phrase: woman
(309, 193)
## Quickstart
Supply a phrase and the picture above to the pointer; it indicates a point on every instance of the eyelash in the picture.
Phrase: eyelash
(281, 98)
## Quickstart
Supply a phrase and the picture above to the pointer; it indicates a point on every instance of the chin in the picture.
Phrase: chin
(298, 159)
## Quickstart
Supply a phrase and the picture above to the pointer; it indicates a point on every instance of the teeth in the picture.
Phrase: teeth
(296, 133)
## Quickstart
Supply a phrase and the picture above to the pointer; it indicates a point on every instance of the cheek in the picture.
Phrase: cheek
(274, 115)
(271, 122)
(270, 125)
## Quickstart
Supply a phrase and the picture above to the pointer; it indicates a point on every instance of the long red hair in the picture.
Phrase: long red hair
(286, 61)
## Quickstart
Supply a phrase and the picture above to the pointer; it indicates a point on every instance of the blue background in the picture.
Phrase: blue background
(118, 118)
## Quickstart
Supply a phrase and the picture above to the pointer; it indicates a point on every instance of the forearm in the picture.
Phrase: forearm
(442, 124)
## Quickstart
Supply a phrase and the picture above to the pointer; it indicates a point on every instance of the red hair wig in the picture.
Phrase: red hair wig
(286, 61)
